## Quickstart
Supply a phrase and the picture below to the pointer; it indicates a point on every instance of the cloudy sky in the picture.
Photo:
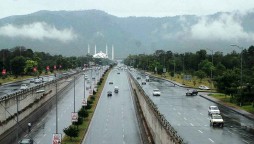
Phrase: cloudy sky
(123, 8)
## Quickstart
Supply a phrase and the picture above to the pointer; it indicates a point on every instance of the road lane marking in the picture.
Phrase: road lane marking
(185, 118)
(179, 113)
(201, 113)
(245, 141)
(211, 140)
(191, 124)
(230, 132)
(208, 118)
(200, 131)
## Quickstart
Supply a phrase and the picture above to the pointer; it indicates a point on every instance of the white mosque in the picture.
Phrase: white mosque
(101, 54)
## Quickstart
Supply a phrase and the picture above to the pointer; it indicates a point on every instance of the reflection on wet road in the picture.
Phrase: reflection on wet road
(189, 116)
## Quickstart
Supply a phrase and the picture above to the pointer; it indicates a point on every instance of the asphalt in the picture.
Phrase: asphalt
(206, 96)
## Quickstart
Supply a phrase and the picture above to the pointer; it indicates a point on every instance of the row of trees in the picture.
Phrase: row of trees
(223, 70)
(22, 61)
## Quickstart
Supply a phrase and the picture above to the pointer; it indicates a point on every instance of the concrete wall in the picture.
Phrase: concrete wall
(31, 106)
(162, 132)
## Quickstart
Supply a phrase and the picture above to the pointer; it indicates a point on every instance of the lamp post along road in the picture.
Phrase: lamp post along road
(212, 63)
(56, 112)
(74, 93)
(241, 48)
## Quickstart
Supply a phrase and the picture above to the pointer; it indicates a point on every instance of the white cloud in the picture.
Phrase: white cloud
(38, 31)
(226, 27)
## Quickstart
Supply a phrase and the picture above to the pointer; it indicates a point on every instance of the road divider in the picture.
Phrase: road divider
(161, 130)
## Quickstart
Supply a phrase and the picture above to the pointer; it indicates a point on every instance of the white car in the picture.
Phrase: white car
(203, 87)
(116, 89)
(216, 119)
(156, 92)
(37, 81)
(213, 110)
(23, 86)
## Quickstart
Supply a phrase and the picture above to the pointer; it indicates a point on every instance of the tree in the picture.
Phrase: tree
(206, 66)
(228, 82)
(200, 74)
(18, 65)
(30, 64)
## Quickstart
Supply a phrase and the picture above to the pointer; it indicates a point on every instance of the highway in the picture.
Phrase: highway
(189, 116)
(114, 121)
(43, 131)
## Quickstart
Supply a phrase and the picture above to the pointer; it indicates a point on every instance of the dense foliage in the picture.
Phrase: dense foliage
(223, 70)
(22, 61)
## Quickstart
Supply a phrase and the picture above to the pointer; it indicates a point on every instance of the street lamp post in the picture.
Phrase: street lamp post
(74, 93)
(212, 63)
(241, 48)
(56, 112)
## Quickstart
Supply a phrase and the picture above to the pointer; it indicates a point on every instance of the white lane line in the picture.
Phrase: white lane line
(211, 140)
(191, 124)
(230, 132)
(245, 141)
(207, 118)
(200, 131)
(174, 109)
(185, 118)
(201, 113)
(179, 113)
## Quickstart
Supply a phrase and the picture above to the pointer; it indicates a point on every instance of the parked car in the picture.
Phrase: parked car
(156, 92)
(110, 82)
(26, 141)
(23, 87)
(143, 83)
(203, 87)
(213, 110)
(216, 120)
(37, 81)
(138, 78)
(109, 93)
(31, 80)
(191, 92)
(116, 89)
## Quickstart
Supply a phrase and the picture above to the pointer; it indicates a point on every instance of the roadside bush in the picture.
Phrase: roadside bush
(83, 113)
(93, 98)
(89, 106)
(71, 131)
(79, 122)
(90, 101)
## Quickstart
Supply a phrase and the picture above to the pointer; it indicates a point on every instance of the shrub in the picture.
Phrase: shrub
(93, 98)
(83, 113)
(79, 122)
(89, 106)
(71, 131)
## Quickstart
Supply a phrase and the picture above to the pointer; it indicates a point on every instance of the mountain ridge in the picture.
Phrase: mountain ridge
(70, 32)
